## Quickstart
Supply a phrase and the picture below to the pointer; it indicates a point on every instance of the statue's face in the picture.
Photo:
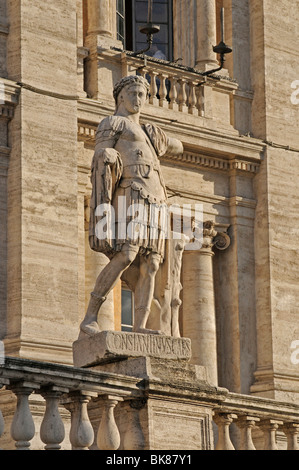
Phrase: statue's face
(133, 97)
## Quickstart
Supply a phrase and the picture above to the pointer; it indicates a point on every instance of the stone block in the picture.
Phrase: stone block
(110, 346)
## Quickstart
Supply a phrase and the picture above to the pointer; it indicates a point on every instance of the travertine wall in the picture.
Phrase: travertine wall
(42, 314)
(275, 118)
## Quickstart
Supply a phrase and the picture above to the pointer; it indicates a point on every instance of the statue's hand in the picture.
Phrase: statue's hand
(110, 156)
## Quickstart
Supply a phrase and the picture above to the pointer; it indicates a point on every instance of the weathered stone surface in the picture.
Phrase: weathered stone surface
(109, 346)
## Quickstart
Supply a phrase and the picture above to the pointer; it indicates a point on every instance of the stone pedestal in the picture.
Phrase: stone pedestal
(172, 406)
(111, 346)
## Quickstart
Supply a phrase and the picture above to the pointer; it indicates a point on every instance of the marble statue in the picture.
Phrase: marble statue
(128, 213)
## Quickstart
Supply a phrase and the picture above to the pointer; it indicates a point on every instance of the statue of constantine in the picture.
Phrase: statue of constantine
(128, 216)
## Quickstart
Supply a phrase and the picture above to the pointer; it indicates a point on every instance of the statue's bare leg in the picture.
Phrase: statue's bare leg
(144, 292)
(105, 282)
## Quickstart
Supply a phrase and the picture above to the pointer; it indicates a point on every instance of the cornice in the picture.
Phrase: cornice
(198, 159)
(9, 97)
(213, 163)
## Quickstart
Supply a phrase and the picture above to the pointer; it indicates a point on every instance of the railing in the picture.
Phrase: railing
(74, 389)
(256, 423)
(71, 388)
(172, 86)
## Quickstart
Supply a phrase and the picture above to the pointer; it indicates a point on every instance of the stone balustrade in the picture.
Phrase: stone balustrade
(259, 422)
(255, 423)
(63, 386)
(175, 87)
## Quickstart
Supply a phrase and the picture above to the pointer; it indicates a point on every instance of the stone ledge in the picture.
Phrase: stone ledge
(111, 346)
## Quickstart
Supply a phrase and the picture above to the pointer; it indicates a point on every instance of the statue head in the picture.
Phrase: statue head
(131, 80)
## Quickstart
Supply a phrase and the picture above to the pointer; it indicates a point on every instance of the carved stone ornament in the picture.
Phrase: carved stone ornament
(221, 241)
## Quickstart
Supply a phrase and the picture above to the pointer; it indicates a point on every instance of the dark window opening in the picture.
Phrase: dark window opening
(132, 14)
(127, 309)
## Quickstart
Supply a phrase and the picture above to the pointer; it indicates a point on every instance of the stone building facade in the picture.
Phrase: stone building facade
(59, 61)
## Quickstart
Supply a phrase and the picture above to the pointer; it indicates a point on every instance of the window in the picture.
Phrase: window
(127, 309)
(120, 20)
(132, 14)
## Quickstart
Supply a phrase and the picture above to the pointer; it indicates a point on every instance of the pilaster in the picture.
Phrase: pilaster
(206, 35)
(42, 226)
(199, 318)
(101, 36)
(9, 94)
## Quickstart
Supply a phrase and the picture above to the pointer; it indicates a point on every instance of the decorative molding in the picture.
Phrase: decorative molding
(221, 241)
(11, 91)
(9, 98)
(214, 163)
(211, 237)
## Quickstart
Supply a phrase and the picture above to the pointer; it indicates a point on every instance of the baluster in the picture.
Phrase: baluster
(291, 430)
(134, 437)
(81, 432)
(52, 431)
(182, 97)
(192, 98)
(153, 88)
(223, 421)
(200, 101)
(108, 437)
(22, 426)
(162, 91)
(173, 95)
(246, 423)
(269, 427)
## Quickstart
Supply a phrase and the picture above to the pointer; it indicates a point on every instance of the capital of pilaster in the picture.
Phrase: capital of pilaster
(208, 234)
(212, 238)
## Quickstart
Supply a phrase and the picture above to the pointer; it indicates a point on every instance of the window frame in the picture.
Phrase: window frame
(122, 324)
(130, 41)
(169, 24)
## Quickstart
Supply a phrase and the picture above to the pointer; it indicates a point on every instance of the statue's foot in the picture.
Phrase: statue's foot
(147, 331)
(89, 329)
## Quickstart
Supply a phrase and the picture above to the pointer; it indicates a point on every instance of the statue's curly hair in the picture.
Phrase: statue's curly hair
(127, 81)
